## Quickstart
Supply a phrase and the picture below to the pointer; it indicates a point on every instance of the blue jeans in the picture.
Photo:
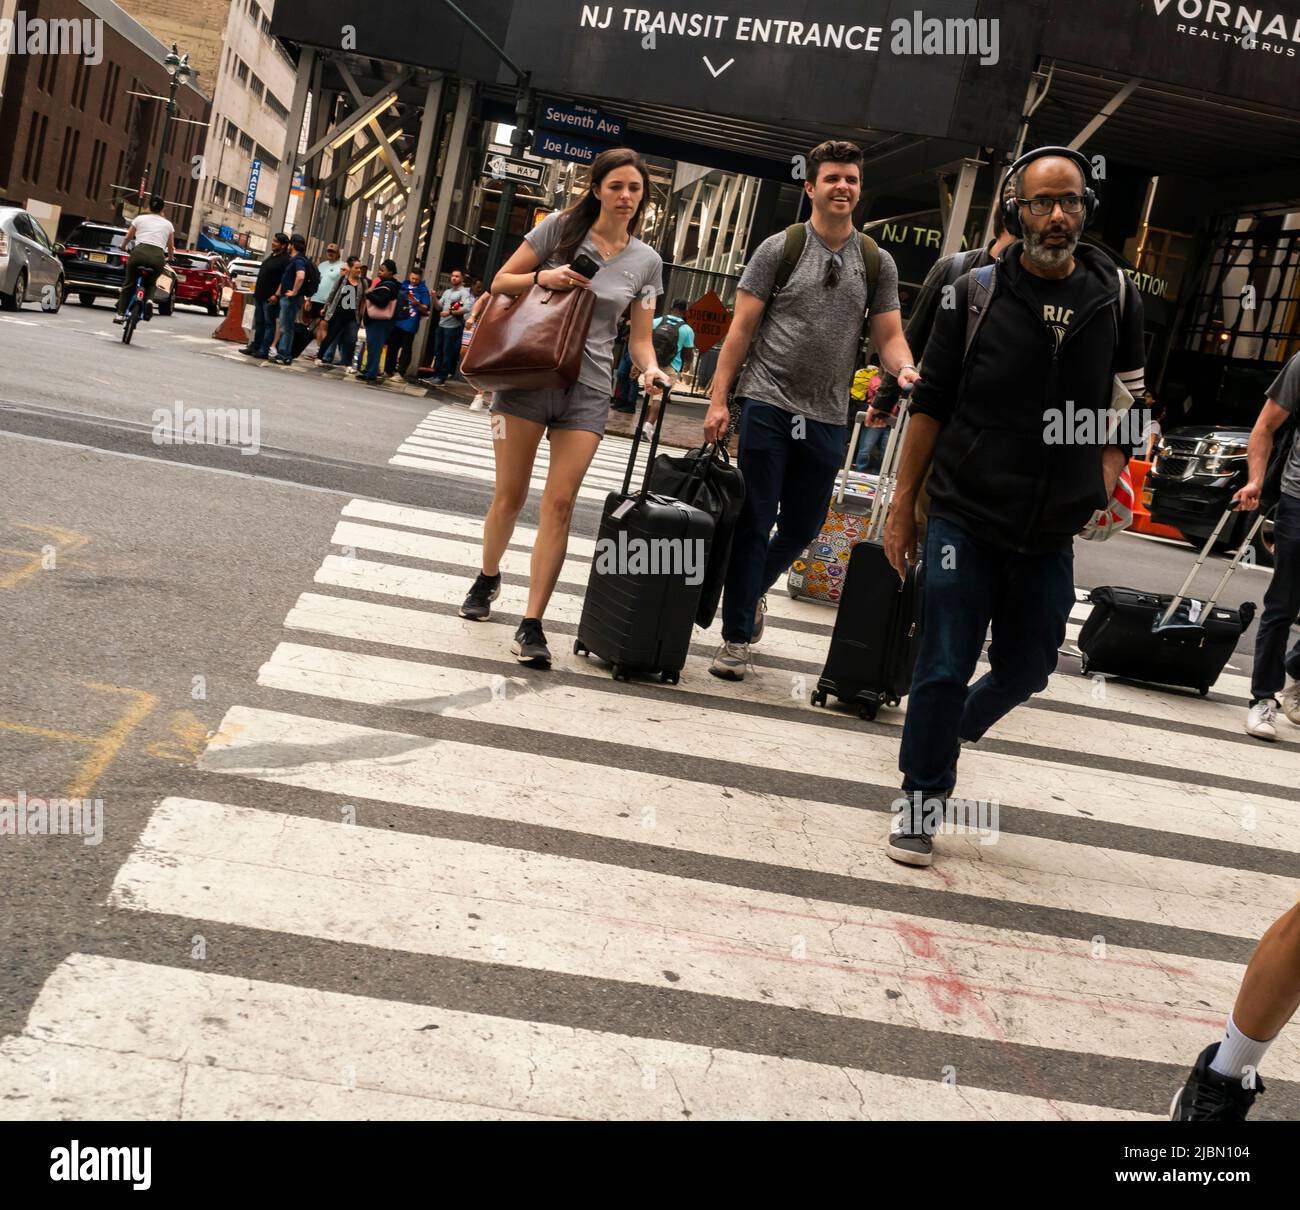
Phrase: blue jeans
(290, 309)
(377, 331)
(625, 386)
(789, 463)
(264, 315)
(967, 585)
(446, 351)
(871, 448)
(1281, 604)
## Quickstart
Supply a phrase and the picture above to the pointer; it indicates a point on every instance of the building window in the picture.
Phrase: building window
(95, 178)
(257, 87)
(68, 160)
(242, 72)
(219, 193)
(35, 147)
(232, 132)
(245, 143)
(266, 27)
(261, 210)
(269, 161)
(254, 12)
(274, 104)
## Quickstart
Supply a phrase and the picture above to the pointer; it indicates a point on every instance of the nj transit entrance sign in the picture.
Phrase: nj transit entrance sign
(948, 70)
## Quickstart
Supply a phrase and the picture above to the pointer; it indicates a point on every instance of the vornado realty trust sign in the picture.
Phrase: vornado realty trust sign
(1242, 26)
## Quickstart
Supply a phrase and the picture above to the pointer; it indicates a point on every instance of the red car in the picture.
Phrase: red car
(202, 280)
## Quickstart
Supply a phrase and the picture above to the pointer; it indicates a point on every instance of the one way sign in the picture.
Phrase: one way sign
(502, 166)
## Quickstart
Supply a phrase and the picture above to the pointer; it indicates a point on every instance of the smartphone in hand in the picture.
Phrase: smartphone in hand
(585, 265)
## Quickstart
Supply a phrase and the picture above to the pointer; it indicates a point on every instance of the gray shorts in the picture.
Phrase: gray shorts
(580, 407)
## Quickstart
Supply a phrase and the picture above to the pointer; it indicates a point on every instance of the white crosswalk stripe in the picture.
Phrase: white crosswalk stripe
(422, 882)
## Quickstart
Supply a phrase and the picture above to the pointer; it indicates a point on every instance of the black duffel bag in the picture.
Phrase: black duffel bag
(704, 478)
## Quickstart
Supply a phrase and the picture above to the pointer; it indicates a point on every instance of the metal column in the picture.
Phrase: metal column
(421, 182)
(292, 137)
(956, 224)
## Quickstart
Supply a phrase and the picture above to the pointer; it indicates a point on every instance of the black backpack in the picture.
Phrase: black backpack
(311, 280)
(403, 309)
(665, 338)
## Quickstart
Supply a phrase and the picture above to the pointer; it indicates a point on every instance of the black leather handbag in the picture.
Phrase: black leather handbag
(705, 479)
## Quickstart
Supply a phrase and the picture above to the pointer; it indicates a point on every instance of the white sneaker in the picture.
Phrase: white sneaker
(731, 661)
(1262, 719)
(1290, 702)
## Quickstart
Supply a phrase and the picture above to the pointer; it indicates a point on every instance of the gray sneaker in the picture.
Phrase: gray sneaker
(478, 602)
(759, 613)
(731, 661)
(1290, 701)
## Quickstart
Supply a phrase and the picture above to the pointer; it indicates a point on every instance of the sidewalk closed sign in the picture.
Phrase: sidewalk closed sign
(709, 320)
(250, 197)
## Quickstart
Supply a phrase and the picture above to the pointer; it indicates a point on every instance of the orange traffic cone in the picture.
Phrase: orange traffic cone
(232, 327)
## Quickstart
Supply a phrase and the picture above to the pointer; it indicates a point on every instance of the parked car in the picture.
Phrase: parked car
(94, 260)
(1196, 472)
(243, 272)
(29, 262)
(201, 279)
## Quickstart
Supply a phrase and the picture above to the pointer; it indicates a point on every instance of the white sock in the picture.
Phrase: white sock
(1237, 1051)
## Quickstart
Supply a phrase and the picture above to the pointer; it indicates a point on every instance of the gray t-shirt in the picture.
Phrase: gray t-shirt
(1285, 392)
(806, 349)
(635, 272)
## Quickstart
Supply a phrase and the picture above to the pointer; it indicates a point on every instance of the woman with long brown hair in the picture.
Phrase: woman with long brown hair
(602, 224)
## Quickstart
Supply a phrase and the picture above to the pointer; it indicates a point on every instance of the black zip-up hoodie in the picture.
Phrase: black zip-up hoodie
(995, 473)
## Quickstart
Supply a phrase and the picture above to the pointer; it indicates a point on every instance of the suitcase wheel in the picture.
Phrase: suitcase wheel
(1203, 690)
(1083, 665)
(620, 673)
(670, 678)
(868, 711)
(818, 697)
(579, 648)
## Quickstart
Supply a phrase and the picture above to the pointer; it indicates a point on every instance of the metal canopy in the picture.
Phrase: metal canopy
(1163, 129)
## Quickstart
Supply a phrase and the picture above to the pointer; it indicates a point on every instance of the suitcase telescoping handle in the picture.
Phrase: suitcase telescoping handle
(654, 441)
(1205, 554)
(888, 468)
(858, 421)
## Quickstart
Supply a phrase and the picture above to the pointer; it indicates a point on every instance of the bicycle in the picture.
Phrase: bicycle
(140, 307)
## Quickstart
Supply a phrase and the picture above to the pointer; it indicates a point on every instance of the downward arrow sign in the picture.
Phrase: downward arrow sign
(717, 71)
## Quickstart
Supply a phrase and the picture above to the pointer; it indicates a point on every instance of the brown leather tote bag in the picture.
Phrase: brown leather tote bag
(532, 342)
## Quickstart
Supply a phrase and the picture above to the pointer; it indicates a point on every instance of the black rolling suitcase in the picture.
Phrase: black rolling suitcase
(1163, 639)
(877, 629)
(640, 607)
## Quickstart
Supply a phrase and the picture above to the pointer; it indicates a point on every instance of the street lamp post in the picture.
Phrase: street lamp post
(178, 67)
(518, 144)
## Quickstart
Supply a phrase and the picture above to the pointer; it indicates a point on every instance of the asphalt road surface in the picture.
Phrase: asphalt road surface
(551, 894)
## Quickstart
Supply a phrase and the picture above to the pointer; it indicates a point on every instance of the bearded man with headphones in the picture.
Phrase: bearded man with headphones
(1009, 487)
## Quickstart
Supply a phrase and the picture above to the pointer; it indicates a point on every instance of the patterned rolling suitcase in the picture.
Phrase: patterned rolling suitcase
(644, 589)
(819, 570)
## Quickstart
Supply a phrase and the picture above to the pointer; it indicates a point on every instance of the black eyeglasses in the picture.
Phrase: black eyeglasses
(1071, 203)
(834, 267)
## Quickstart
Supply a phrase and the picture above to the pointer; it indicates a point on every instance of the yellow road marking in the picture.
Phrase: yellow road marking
(110, 743)
(65, 541)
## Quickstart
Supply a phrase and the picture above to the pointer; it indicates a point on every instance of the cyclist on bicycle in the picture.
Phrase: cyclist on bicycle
(155, 241)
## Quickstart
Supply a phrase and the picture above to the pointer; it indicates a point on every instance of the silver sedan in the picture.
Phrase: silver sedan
(29, 263)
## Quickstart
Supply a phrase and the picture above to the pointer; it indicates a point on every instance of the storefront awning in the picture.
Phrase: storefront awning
(222, 247)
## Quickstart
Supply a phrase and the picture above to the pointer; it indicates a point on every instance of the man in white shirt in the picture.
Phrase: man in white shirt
(331, 269)
(155, 241)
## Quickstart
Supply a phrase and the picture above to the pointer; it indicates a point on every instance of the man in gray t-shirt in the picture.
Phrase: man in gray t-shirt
(1273, 663)
(802, 347)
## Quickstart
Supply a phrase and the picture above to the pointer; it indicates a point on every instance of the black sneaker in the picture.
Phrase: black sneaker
(911, 836)
(530, 644)
(1210, 1097)
(478, 601)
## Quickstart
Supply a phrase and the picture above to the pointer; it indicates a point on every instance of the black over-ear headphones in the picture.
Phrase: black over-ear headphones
(1011, 207)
